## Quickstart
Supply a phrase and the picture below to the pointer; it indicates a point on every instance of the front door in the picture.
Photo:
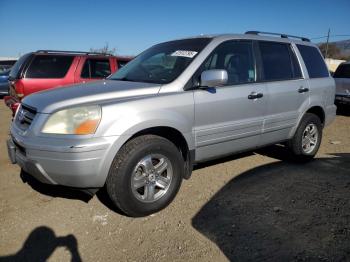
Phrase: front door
(229, 118)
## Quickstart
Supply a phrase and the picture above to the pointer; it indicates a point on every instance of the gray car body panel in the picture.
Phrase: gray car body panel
(97, 92)
(209, 122)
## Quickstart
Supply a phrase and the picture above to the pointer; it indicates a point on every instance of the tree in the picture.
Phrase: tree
(104, 50)
(333, 50)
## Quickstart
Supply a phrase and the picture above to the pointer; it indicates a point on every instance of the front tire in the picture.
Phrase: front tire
(307, 138)
(145, 175)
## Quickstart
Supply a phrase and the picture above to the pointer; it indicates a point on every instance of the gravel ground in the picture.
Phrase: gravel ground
(257, 206)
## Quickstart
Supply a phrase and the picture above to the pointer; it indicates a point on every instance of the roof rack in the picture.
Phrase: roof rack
(278, 34)
(71, 52)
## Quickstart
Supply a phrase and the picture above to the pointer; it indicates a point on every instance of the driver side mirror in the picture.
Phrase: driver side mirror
(213, 78)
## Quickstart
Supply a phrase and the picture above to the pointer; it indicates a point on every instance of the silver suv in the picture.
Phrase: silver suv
(182, 102)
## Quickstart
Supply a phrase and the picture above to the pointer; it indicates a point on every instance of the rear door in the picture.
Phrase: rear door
(92, 69)
(287, 90)
(228, 119)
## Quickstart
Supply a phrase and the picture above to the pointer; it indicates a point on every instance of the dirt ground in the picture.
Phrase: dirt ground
(257, 206)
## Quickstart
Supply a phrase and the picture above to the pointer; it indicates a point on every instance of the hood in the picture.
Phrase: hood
(94, 93)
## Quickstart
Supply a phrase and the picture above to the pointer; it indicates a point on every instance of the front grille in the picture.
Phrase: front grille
(25, 116)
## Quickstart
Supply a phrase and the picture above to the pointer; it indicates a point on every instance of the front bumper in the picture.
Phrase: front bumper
(31, 167)
(75, 166)
(343, 99)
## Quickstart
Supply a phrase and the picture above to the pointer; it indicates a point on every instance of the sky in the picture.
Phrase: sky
(131, 26)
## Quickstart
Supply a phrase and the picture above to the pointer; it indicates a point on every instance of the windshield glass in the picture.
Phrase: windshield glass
(343, 71)
(162, 63)
(18, 66)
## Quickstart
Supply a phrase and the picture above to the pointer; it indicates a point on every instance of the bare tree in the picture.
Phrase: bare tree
(104, 50)
(333, 50)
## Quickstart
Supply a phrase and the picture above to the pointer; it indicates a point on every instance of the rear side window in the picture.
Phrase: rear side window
(343, 71)
(19, 65)
(314, 62)
(279, 61)
(96, 68)
(49, 66)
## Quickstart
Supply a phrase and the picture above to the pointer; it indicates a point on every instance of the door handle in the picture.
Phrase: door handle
(303, 90)
(255, 95)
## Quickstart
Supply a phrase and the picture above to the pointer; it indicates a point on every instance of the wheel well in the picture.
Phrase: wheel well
(176, 138)
(318, 111)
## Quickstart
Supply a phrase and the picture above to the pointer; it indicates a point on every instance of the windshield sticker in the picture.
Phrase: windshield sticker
(184, 53)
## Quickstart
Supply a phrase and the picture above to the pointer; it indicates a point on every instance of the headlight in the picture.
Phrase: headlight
(74, 121)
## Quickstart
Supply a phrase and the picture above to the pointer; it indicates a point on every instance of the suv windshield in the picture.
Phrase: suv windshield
(162, 63)
(18, 66)
(343, 71)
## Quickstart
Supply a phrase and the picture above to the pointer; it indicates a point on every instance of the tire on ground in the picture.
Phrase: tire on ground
(295, 144)
(118, 183)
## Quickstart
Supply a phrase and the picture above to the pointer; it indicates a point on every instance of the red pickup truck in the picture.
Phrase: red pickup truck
(44, 69)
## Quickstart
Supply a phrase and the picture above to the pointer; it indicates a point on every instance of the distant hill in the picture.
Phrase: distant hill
(344, 47)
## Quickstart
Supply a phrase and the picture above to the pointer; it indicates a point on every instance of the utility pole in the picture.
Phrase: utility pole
(329, 31)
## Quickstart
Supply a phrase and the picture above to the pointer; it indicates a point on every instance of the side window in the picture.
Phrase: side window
(49, 66)
(343, 71)
(211, 62)
(295, 65)
(314, 62)
(236, 57)
(121, 63)
(96, 68)
(279, 61)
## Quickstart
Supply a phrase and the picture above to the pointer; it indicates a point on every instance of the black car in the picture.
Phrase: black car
(4, 84)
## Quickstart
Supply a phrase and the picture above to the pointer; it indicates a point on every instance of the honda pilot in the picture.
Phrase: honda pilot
(139, 132)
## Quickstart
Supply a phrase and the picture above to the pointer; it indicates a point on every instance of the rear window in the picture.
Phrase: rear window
(49, 66)
(96, 68)
(279, 61)
(314, 62)
(19, 65)
(343, 71)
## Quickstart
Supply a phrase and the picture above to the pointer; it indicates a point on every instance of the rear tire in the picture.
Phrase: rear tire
(145, 175)
(307, 138)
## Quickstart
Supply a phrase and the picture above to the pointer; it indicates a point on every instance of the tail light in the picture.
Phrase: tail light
(16, 89)
(12, 103)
